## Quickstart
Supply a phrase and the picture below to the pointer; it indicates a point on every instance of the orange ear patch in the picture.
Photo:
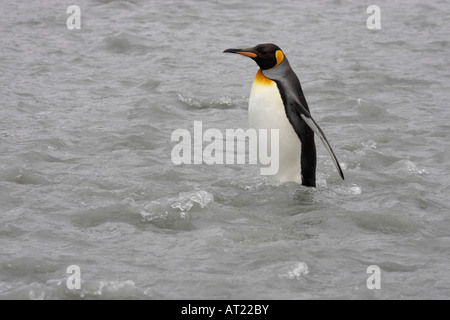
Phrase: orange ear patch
(280, 56)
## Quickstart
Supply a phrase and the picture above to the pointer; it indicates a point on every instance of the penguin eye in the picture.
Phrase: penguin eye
(264, 53)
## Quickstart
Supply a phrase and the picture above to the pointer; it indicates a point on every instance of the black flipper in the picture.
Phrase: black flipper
(289, 87)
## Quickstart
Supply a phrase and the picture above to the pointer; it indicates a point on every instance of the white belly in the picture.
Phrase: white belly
(266, 111)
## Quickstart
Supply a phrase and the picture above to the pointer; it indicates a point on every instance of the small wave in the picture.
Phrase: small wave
(373, 112)
(57, 288)
(352, 190)
(174, 213)
(296, 271)
(150, 85)
(406, 167)
(110, 220)
(216, 103)
(412, 168)
(26, 177)
(361, 147)
(123, 43)
(387, 222)
(108, 290)
(186, 200)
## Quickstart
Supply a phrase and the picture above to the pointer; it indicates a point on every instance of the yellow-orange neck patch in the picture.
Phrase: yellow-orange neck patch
(261, 80)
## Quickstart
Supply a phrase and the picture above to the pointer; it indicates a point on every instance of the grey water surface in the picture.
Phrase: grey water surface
(87, 179)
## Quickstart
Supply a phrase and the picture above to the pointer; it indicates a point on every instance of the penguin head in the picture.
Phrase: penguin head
(266, 55)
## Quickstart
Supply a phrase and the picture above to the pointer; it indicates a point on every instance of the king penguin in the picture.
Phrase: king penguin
(277, 102)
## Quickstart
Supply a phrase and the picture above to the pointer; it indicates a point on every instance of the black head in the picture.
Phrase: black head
(266, 55)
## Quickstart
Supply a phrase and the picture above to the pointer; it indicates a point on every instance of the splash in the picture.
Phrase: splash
(296, 271)
(174, 213)
(186, 200)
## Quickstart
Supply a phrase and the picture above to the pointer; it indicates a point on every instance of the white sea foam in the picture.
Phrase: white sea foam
(296, 271)
(175, 212)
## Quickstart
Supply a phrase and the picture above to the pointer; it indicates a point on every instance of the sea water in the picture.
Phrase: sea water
(88, 189)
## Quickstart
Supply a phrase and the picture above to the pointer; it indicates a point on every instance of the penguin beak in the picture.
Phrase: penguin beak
(245, 52)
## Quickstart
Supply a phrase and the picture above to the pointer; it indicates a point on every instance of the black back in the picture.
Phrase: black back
(297, 111)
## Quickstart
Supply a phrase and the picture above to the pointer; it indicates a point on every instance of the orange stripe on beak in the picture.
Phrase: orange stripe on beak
(247, 54)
